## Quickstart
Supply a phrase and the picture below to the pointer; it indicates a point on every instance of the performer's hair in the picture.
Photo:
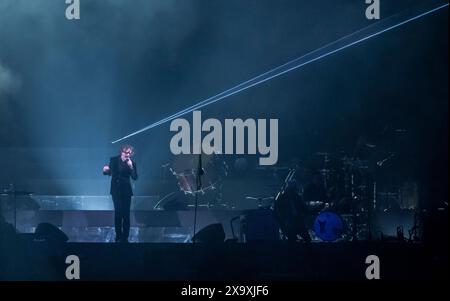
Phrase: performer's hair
(127, 146)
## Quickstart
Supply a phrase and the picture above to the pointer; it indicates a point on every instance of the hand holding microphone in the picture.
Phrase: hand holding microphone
(130, 163)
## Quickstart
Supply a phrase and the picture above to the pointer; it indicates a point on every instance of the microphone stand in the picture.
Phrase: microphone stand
(199, 187)
(15, 210)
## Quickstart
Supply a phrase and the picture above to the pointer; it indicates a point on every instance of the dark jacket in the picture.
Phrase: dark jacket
(289, 206)
(120, 174)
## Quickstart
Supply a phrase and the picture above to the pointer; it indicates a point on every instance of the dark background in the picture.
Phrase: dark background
(68, 88)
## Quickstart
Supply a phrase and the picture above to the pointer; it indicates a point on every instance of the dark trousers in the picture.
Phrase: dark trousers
(122, 216)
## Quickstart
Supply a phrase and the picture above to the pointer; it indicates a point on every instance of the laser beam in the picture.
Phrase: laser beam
(345, 42)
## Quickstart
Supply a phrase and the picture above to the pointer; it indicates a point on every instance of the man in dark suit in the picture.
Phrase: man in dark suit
(121, 168)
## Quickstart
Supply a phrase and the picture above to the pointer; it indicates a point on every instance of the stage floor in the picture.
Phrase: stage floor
(27, 259)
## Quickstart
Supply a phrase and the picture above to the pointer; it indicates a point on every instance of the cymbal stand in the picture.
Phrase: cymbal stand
(353, 198)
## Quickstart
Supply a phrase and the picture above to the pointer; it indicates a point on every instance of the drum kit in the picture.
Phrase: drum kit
(344, 193)
(340, 196)
(340, 191)
(200, 176)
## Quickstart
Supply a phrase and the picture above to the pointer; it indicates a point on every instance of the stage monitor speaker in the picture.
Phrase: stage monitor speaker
(50, 233)
(213, 233)
(259, 225)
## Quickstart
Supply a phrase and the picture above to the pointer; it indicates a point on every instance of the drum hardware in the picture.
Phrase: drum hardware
(381, 162)
(325, 177)
(259, 200)
(164, 172)
(289, 177)
(325, 155)
(413, 235)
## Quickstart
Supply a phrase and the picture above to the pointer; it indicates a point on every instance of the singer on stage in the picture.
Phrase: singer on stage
(121, 168)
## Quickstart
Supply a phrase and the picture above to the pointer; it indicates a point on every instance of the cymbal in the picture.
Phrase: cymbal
(323, 153)
(272, 168)
(259, 199)
(16, 192)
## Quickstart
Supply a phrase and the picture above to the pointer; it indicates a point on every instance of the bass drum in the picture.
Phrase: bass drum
(185, 168)
(328, 226)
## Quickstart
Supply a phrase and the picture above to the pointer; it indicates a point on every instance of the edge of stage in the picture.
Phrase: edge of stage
(26, 259)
